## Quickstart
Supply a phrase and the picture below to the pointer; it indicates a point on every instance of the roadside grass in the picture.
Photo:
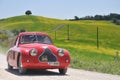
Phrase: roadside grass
(96, 60)
(3, 50)
(82, 43)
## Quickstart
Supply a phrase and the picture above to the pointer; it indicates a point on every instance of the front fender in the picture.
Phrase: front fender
(23, 53)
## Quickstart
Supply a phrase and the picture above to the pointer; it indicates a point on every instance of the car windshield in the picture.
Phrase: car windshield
(35, 39)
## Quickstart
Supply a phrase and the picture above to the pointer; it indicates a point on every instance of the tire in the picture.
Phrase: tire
(9, 67)
(20, 68)
(63, 71)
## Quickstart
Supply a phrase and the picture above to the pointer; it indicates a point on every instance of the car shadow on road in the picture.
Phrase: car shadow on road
(35, 73)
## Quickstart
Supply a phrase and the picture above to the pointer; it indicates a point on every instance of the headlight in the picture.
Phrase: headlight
(61, 52)
(33, 52)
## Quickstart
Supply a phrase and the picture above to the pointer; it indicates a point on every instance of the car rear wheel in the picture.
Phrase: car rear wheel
(20, 68)
(62, 71)
(9, 67)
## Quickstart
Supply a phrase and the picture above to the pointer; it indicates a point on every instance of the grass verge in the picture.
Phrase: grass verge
(92, 60)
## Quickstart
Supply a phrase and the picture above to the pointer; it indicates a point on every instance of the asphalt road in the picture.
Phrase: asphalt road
(72, 74)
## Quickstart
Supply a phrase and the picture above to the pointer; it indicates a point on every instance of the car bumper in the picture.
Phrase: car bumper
(35, 64)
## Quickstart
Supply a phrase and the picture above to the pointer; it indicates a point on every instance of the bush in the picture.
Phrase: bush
(116, 21)
(3, 39)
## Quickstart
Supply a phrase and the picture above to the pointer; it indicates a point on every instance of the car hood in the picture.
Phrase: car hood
(38, 46)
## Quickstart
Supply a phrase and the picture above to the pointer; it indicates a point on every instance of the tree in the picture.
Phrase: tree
(28, 12)
(98, 17)
(76, 18)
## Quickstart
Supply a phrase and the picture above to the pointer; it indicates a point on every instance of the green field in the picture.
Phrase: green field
(82, 43)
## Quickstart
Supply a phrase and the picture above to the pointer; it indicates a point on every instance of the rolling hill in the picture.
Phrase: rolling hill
(82, 43)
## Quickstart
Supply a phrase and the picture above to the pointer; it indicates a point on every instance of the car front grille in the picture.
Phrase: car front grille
(47, 56)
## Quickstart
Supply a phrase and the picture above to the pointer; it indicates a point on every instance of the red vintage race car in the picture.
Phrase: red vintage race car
(35, 50)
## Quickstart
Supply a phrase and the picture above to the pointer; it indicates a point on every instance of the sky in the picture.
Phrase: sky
(60, 9)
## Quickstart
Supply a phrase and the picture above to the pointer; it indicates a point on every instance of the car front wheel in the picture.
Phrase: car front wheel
(20, 68)
(62, 71)
(9, 67)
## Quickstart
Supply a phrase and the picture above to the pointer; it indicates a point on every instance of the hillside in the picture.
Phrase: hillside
(83, 31)
(82, 43)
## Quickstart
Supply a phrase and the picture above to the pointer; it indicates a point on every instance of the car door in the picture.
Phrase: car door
(13, 53)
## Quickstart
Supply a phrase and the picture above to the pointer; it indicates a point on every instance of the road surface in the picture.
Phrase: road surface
(72, 74)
